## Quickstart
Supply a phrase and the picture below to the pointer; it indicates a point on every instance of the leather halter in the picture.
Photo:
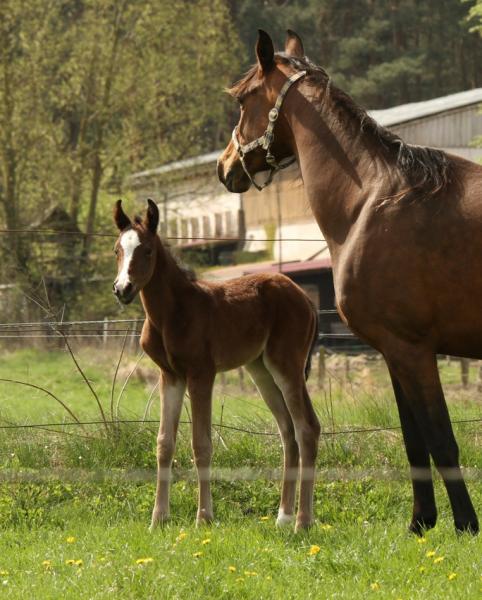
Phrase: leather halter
(265, 141)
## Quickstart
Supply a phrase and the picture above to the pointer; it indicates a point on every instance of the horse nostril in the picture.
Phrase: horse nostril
(128, 288)
(115, 290)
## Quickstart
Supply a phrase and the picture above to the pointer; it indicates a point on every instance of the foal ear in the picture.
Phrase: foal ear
(152, 216)
(264, 51)
(121, 219)
(294, 45)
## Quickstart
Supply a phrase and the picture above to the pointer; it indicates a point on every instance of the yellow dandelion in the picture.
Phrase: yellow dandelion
(74, 562)
(3, 572)
(430, 553)
(422, 540)
(264, 518)
(326, 526)
(422, 569)
(250, 573)
(375, 586)
(181, 536)
(313, 550)
(239, 579)
(102, 559)
(439, 559)
(70, 539)
(144, 561)
(197, 554)
(47, 564)
(451, 576)
(206, 541)
(232, 569)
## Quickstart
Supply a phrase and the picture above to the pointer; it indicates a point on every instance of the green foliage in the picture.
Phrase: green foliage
(383, 53)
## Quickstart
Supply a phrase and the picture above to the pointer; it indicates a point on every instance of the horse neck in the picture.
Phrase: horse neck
(342, 166)
(166, 290)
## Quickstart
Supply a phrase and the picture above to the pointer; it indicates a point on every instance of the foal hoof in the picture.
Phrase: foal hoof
(158, 520)
(471, 527)
(420, 525)
(204, 518)
(303, 525)
(283, 519)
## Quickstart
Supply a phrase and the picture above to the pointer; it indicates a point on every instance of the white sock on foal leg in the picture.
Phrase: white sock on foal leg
(284, 519)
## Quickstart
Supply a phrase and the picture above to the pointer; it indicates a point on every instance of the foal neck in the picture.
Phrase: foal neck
(169, 287)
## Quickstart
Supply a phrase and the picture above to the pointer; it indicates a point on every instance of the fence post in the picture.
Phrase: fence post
(464, 368)
(321, 367)
(105, 328)
(241, 379)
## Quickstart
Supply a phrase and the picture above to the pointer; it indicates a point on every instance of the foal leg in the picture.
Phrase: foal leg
(307, 433)
(172, 394)
(416, 370)
(200, 391)
(274, 399)
(424, 510)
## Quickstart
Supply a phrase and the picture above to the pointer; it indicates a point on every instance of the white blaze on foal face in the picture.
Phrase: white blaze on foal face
(129, 242)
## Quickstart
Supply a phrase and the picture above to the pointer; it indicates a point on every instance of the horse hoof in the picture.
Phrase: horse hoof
(420, 525)
(471, 527)
(204, 518)
(303, 525)
(284, 520)
(158, 521)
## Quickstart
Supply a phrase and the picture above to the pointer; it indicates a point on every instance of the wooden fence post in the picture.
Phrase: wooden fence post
(464, 368)
(321, 367)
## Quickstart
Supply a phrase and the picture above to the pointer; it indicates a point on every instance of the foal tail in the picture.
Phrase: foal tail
(313, 341)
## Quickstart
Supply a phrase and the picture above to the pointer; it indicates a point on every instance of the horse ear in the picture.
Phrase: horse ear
(152, 216)
(121, 219)
(294, 45)
(265, 51)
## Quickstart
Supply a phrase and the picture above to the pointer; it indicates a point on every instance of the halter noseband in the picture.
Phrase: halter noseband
(265, 141)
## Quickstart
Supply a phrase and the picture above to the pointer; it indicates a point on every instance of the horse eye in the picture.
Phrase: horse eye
(116, 251)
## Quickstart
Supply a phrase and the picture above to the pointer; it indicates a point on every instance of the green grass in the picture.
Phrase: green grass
(99, 490)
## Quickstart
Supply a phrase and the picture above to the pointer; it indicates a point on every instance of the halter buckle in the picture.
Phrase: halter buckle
(273, 114)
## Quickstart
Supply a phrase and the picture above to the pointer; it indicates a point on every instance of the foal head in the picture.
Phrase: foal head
(136, 250)
(257, 93)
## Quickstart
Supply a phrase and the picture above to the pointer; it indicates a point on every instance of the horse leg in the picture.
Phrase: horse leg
(274, 399)
(172, 394)
(307, 433)
(416, 370)
(200, 391)
(424, 510)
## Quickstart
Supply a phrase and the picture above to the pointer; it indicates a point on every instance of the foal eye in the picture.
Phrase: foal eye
(116, 251)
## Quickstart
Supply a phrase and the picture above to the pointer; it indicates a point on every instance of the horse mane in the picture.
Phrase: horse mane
(188, 272)
(426, 170)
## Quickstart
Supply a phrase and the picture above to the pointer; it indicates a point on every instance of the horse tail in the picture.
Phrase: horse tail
(314, 341)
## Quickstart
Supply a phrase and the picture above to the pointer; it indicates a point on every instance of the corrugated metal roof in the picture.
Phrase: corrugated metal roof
(178, 165)
(389, 116)
(416, 110)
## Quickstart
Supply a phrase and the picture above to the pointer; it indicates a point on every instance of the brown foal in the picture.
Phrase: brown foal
(404, 227)
(195, 329)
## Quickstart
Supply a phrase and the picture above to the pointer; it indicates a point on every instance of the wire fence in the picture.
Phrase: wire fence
(350, 431)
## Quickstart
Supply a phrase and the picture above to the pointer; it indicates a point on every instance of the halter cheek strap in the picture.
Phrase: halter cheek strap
(265, 141)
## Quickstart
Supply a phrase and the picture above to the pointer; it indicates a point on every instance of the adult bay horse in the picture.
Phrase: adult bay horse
(195, 329)
(404, 228)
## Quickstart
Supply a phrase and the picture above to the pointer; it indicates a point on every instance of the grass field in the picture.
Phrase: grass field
(75, 505)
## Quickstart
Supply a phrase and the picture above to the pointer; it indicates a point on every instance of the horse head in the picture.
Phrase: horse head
(262, 139)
